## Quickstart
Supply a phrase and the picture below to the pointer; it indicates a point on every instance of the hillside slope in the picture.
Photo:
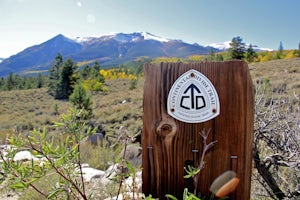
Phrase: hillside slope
(121, 106)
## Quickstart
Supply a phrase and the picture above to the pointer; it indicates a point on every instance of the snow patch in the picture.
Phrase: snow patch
(222, 46)
(83, 39)
(122, 37)
(149, 36)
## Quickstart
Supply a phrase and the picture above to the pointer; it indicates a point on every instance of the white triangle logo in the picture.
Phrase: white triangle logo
(193, 98)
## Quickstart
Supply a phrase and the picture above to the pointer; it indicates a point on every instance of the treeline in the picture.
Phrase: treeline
(238, 50)
(17, 82)
(65, 74)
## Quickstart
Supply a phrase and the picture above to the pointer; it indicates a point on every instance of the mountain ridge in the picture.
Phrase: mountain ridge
(109, 50)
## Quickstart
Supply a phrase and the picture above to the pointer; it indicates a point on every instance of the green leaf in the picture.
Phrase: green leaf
(169, 196)
(188, 175)
(31, 181)
(59, 124)
(43, 135)
(58, 190)
(130, 167)
(19, 185)
(185, 193)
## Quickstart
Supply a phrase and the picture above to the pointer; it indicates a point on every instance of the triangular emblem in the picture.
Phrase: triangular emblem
(193, 98)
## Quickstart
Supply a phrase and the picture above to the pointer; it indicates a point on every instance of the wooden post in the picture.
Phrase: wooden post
(170, 144)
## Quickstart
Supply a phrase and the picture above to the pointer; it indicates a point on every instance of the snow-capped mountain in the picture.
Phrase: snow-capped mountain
(111, 49)
(122, 37)
(224, 46)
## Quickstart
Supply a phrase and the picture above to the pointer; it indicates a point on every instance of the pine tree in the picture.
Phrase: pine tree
(10, 82)
(40, 81)
(84, 73)
(81, 101)
(280, 48)
(251, 54)
(55, 74)
(212, 54)
(97, 66)
(96, 73)
(66, 80)
(279, 53)
(237, 48)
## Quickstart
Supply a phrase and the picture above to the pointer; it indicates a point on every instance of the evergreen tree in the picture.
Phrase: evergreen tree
(251, 54)
(279, 53)
(212, 54)
(219, 57)
(55, 74)
(280, 48)
(237, 48)
(10, 81)
(95, 73)
(92, 73)
(298, 51)
(81, 101)
(84, 73)
(97, 66)
(40, 81)
(66, 80)
(2, 83)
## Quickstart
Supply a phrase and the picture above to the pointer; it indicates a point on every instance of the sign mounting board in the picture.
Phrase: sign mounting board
(193, 98)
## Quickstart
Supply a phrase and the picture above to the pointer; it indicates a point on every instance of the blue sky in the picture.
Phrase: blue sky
(265, 23)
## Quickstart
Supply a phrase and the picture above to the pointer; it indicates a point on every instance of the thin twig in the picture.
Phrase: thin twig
(58, 171)
(206, 147)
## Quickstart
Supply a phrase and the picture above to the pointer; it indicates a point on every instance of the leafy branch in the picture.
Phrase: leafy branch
(62, 157)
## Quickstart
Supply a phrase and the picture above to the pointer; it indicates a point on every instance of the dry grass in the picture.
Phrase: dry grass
(28, 109)
(279, 73)
(24, 110)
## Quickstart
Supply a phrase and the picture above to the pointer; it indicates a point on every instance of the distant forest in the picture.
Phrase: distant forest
(88, 74)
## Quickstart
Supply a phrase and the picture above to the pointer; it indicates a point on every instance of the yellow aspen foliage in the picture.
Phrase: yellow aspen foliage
(92, 85)
(167, 59)
(258, 58)
(195, 58)
(115, 74)
(103, 72)
(290, 54)
(97, 86)
(267, 57)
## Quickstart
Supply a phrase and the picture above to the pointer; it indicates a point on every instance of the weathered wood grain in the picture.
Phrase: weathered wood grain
(169, 144)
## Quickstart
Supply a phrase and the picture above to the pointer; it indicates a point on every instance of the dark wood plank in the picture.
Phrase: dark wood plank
(168, 144)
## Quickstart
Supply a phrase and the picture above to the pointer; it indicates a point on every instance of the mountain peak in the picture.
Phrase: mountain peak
(149, 36)
(60, 37)
(136, 36)
(109, 50)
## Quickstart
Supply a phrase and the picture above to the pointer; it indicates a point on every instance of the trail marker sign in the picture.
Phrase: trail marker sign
(181, 100)
(193, 98)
